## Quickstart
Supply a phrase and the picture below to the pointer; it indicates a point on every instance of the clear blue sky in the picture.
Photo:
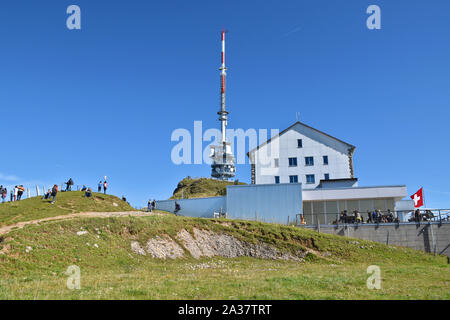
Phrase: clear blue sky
(104, 100)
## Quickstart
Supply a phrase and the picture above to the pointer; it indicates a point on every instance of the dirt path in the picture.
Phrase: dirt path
(20, 225)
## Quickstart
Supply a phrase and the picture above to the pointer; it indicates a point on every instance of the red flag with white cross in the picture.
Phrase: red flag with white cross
(418, 198)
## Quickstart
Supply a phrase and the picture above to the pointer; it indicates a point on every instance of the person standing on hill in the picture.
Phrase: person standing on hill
(16, 191)
(69, 184)
(4, 193)
(100, 186)
(20, 190)
(149, 206)
(11, 195)
(54, 193)
(105, 186)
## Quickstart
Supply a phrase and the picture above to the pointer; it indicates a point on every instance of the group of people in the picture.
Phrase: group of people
(103, 184)
(375, 216)
(15, 193)
(151, 205)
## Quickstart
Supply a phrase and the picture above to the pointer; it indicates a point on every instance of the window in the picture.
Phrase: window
(327, 176)
(309, 161)
(276, 162)
(310, 179)
(299, 143)
(292, 162)
(325, 160)
(277, 179)
(293, 179)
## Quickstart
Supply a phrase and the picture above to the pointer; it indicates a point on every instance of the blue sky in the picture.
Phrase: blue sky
(104, 100)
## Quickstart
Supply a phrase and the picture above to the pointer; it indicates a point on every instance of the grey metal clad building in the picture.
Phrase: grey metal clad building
(265, 202)
(269, 203)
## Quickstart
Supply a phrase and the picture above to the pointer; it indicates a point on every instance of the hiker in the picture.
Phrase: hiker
(105, 186)
(149, 206)
(11, 195)
(20, 190)
(100, 186)
(69, 185)
(154, 204)
(3, 192)
(16, 191)
(177, 208)
(84, 188)
(54, 193)
(88, 193)
(124, 199)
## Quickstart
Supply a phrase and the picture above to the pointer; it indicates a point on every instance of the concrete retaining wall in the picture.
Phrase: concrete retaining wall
(434, 237)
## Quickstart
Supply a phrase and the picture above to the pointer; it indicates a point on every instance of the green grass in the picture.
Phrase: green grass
(201, 188)
(113, 271)
(66, 203)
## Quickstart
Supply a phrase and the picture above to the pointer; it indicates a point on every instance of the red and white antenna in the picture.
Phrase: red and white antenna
(223, 161)
(223, 74)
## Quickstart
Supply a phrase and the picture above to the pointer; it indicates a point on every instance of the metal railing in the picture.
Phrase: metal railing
(408, 216)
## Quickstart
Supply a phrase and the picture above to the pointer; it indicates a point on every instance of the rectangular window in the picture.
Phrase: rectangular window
(292, 162)
(277, 179)
(293, 179)
(276, 162)
(310, 179)
(325, 160)
(327, 176)
(309, 161)
(299, 143)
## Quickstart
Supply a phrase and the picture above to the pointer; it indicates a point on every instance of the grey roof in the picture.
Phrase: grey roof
(305, 125)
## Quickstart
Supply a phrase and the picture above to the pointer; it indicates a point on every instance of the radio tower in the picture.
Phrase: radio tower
(223, 161)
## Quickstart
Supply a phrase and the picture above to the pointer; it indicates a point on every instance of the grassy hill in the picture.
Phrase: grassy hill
(201, 187)
(33, 262)
(66, 203)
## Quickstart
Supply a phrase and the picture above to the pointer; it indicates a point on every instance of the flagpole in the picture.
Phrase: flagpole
(423, 196)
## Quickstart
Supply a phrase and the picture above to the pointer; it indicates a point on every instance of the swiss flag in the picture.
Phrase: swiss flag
(418, 198)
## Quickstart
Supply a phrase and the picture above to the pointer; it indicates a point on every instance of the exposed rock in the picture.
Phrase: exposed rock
(204, 243)
(80, 233)
(136, 248)
(163, 248)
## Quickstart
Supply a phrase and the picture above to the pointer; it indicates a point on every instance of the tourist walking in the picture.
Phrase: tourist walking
(105, 186)
(54, 193)
(177, 208)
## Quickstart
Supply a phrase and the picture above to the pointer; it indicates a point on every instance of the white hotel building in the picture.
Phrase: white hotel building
(323, 165)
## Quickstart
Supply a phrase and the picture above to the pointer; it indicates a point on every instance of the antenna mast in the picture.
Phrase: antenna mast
(223, 159)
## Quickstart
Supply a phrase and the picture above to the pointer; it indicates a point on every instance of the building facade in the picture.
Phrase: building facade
(301, 154)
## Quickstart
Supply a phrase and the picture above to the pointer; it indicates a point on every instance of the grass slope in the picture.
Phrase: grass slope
(110, 270)
(201, 188)
(66, 203)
